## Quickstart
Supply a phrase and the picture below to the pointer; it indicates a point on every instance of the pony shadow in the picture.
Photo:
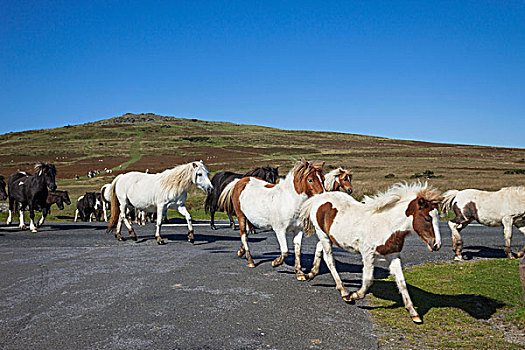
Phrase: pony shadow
(73, 227)
(199, 239)
(483, 252)
(477, 306)
(307, 261)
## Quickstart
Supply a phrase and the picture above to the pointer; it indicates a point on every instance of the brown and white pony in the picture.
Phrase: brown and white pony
(505, 207)
(339, 180)
(274, 206)
(375, 228)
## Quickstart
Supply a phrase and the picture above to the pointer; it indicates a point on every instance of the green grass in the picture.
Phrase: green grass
(457, 301)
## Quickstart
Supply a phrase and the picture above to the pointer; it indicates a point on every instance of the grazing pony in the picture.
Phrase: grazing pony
(54, 197)
(339, 180)
(274, 206)
(223, 178)
(154, 192)
(377, 227)
(3, 193)
(504, 207)
(31, 192)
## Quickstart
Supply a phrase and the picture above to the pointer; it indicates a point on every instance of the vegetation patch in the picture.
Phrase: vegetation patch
(515, 172)
(463, 305)
(427, 174)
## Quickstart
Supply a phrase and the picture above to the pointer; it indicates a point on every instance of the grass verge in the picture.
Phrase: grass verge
(463, 306)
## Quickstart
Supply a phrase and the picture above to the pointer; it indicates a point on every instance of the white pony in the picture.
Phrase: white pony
(377, 227)
(154, 192)
(274, 206)
(504, 207)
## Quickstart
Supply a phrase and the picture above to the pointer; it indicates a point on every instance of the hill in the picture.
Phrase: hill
(148, 141)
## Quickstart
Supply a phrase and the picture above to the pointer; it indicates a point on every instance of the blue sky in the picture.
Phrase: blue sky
(447, 71)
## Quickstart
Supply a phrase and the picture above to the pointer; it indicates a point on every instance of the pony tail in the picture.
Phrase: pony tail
(115, 207)
(225, 199)
(448, 200)
(304, 216)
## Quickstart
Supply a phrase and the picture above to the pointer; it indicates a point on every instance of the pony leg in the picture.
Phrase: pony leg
(317, 261)
(244, 240)
(507, 231)
(212, 221)
(105, 210)
(367, 278)
(11, 210)
(21, 224)
(76, 215)
(522, 252)
(42, 219)
(330, 262)
(232, 222)
(297, 240)
(160, 216)
(123, 217)
(32, 226)
(281, 237)
(457, 242)
(397, 271)
(182, 209)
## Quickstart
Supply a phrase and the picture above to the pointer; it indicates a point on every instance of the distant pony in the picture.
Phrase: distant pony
(3, 193)
(505, 207)
(153, 193)
(223, 178)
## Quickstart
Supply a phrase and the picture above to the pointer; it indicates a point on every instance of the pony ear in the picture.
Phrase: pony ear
(318, 165)
(195, 165)
(40, 173)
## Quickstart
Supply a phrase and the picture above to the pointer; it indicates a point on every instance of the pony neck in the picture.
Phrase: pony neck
(288, 185)
(177, 180)
(395, 216)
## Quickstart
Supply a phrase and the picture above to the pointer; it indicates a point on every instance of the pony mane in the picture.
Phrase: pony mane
(45, 166)
(305, 168)
(400, 192)
(329, 179)
(179, 178)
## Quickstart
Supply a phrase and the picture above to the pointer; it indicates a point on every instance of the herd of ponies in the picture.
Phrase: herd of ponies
(306, 202)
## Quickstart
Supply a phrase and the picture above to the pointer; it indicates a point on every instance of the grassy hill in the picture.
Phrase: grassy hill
(148, 141)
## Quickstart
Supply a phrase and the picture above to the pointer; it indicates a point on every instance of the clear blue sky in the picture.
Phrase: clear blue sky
(451, 71)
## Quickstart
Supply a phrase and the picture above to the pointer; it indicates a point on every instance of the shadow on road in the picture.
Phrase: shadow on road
(477, 306)
(483, 252)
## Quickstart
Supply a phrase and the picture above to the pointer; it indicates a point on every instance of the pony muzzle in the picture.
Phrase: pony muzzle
(53, 187)
(434, 246)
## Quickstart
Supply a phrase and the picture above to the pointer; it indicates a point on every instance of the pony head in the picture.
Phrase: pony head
(308, 178)
(200, 176)
(425, 219)
(339, 180)
(65, 197)
(48, 172)
(3, 193)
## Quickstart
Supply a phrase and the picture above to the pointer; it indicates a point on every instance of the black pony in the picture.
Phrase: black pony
(3, 193)
(54, 197)
(223, 178)
(30, 191)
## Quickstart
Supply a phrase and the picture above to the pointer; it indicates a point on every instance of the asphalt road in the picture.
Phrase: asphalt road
(72, 286)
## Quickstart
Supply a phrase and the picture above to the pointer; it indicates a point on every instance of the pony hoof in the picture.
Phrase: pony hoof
(34, 230)
(252, 265)
(348, 299)
(458, 258)
(417, 319)
(134, 238)
(520, 254)
(301, 277)
(240, 253)
(22, 227)
(161, 242)
(191, 240)
(121, 239)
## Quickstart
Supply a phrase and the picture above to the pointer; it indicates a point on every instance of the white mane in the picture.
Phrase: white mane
(180, 178)
(397, 193)
(329, 179)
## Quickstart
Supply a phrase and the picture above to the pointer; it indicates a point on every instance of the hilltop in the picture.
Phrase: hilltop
(149, 141)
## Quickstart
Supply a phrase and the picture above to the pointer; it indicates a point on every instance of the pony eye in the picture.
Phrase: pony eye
(427, 218)
(199, 174)
(310, 180)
